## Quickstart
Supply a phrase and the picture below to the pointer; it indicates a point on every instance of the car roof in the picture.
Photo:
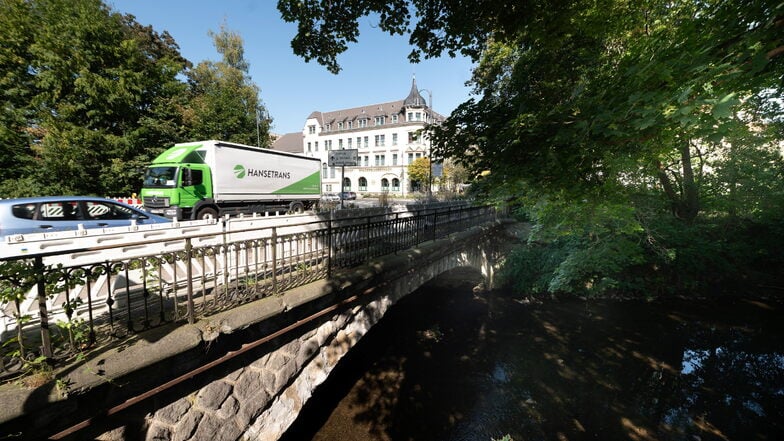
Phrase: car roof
(39, 199)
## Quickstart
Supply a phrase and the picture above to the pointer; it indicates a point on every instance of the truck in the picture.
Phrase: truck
(210, 179)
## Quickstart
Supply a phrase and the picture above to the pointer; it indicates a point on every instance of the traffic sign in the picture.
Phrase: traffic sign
(345, 157)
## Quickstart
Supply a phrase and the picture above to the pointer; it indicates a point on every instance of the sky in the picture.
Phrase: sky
(375, 70)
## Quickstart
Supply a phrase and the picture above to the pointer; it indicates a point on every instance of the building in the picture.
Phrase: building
(290, 142)
(388, 137)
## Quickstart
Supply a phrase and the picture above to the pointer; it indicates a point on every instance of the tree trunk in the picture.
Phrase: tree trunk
(685, 205)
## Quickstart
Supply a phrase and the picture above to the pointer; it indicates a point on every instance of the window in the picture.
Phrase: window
(328, 187)
(315, 145)
(332, 172)
(324, 170)
(418, 155)
(413, 137)
(328, 144)
(340, 126)
(60, 211)
(329, 126)
(311, 129)
(309, 147)
(380, 120)
(379, 139)
(419, 116)
(394, 139)
(379, 160)
(363, 122)
(366, 142)
(385, 185)
(410, 116)
(410, 158)
(350, 124)
(394, 159)
(349, 143)
(394, 119)
(362, 184)
(359, 142)
(340, 144)
(107, 211)
(24, 211)
(395, 184)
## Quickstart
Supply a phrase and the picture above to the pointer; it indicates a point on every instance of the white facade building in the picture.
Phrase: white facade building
(387, 137)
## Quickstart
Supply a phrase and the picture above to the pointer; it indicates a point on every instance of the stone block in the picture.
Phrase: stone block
(173, 413)
(213, 395)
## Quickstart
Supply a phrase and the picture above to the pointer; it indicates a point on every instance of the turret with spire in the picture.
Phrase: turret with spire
(414, 99)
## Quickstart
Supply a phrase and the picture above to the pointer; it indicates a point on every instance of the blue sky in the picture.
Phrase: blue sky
(375, 70)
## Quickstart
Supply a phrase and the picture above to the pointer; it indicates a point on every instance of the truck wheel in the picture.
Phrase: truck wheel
(296, 207)
(207, 213)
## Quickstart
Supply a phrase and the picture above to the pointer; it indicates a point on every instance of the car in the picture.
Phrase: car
(330, 197)
(61, 213)
(348, 195)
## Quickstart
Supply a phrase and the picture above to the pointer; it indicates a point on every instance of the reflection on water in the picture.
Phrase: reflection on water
(448, 364)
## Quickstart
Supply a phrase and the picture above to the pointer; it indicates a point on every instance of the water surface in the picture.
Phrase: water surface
(450, 364)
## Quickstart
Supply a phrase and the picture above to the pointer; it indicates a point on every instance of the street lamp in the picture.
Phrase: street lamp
(429, 152)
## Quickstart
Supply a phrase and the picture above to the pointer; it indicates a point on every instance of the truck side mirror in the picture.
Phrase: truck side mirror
(187, 177)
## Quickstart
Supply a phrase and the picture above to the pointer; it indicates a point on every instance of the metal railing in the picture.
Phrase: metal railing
(55, 306)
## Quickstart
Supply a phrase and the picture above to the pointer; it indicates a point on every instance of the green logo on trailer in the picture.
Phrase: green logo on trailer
(239, 171)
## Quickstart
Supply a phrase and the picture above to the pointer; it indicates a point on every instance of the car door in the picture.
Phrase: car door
(57, 216)
(107, 214)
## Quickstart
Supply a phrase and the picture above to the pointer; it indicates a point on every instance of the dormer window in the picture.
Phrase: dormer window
(350, 124)
(380, 120)
(328, 127)
(394, 119)
(340, 126)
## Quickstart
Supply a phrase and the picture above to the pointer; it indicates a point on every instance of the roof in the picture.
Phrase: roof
(371, 111)
(414, 98)
(290, 142)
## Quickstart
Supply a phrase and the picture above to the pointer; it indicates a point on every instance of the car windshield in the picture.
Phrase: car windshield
(160, 177)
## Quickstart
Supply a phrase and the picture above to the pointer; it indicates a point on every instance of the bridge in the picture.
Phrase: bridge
(209, 329)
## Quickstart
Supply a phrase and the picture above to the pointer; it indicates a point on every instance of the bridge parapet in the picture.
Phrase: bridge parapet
(251, 261)
(289, 345)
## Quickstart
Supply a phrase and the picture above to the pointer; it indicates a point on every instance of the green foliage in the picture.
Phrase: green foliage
(91, 92)
(642, 136)
(419, 170)
(224, 102)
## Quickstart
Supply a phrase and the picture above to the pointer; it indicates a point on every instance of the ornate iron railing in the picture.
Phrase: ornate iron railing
(54, 312)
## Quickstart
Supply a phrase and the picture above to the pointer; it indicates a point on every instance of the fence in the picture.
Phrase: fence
(104, 294)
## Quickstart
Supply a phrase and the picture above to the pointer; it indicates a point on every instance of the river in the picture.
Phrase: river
(447, 363)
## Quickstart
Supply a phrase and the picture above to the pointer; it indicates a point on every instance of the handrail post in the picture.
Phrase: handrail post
(367, 241)
(189, 282)
(329, 247)
(274, 261)
(46, 341)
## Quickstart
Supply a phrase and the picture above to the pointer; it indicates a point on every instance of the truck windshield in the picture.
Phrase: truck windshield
(160, 177)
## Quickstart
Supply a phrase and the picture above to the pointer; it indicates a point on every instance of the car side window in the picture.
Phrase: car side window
(60, 211)
(107, 211)
(23, 211)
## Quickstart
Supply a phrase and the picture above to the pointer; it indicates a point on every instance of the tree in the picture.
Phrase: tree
(224, 102)
(601, 117)
(419, 172)
(92, 91)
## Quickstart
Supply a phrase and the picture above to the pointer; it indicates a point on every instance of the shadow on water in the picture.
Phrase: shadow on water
(449, 364)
